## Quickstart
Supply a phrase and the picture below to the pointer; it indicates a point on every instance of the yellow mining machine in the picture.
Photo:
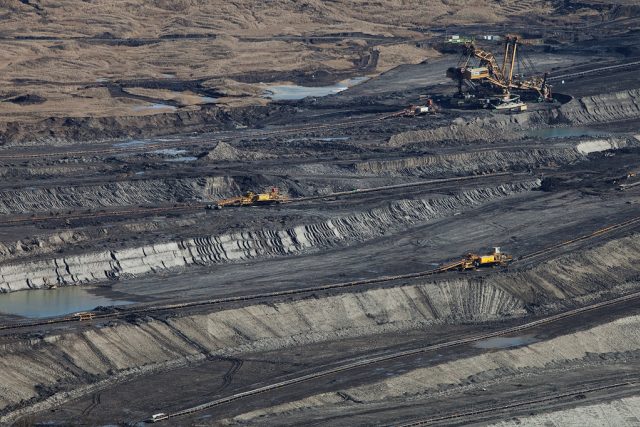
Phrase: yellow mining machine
(473, 261)
(429, 107)
(480, 69)
(83, 315)
(252, 199)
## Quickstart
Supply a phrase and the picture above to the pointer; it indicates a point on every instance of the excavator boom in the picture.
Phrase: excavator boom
(473, 261)
(502, 76)
(251, 199)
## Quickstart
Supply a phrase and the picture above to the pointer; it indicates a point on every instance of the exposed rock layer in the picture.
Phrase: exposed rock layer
(233, 247)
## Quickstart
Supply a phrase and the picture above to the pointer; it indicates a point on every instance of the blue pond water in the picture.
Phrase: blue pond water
(506, 342)
(55, 302)
(332, 138)
(154, 107)
(132, 143)
(296, 92)
(169, 151)
(183, 159)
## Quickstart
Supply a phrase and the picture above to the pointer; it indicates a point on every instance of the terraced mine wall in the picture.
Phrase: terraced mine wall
(620, 413)
(463, 131)
(618, 106)
(129, 193)
(65, 130)
(472, 162)
(61, 365)
(152, 192)
(529, 155)
(241, 246)
(583, 277)
(601, 108)
(615, 340)
(128, 349)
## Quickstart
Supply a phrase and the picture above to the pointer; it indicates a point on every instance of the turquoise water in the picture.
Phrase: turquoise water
(53, 302)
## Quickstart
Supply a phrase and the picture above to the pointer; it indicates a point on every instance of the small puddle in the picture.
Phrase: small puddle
(506, 342)
(54, 302)
(183, 159)
(332, 138)
(208, 100)
(154, 107)
(133, 143)
(564, 132)
(174, 154)
(296, 92)
(325, 139)
(169, 151)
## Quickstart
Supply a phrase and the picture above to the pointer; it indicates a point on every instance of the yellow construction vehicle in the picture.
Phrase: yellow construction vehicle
(472, 261)
(252, 199)
(497, 257)
(83, 315)
(502, 78)
(429, 107)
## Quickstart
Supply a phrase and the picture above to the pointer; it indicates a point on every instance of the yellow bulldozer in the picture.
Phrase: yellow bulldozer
(252, 199)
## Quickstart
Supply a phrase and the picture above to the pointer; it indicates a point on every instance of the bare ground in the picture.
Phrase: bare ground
(102, 195)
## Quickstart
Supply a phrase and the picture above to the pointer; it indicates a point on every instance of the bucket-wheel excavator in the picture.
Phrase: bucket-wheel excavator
(480, 69)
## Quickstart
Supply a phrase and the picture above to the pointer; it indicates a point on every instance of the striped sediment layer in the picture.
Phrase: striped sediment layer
(31, 369)
(618, 340)
(64, 365)
(127, 193)
(246, 245)
(596, 109)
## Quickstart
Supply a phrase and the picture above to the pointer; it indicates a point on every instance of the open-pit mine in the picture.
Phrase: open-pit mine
(313, 213)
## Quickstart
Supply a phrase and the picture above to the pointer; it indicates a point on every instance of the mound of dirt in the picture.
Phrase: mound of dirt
(224, 151)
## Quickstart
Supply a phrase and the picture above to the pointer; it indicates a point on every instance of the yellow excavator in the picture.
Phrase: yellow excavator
(501, 77)
(496, 258)
(473, 261)
(252, 199)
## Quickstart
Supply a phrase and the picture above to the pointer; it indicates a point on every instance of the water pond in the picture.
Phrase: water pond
(154, 107)
(296, 92)
(42, 303)
(506, 342)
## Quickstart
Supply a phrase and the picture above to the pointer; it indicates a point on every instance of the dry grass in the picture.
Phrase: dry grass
(79, 53)
(392, 55)
(183, 98)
